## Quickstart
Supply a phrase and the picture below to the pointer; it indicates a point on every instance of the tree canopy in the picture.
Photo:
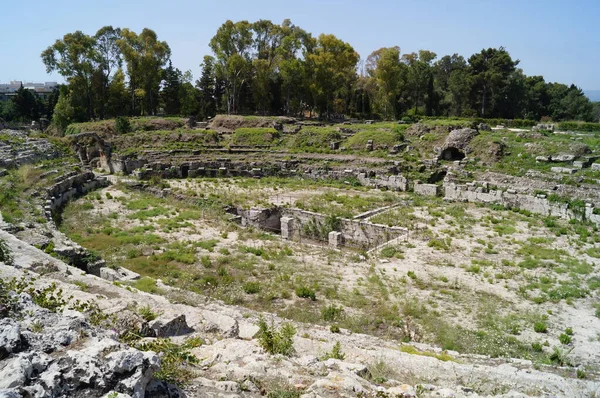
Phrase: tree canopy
(280, 69)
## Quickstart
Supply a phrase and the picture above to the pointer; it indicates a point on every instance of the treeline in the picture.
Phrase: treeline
(271, 69)
(26, 106)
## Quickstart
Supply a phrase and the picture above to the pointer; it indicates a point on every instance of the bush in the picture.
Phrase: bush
(540, 327)
(335, 353)
(564, 338)
(5, 254)
(147, 313)
(276, 341)
(331, 313)
(537, 347)
(579, 126)
(569, 331)
(306, 292)
(174, 359)
(251, 287)
(122, 125)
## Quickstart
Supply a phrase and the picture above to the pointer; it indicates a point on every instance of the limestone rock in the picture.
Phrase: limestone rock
(247, 330)
(16, 372)
(563, 158)
(484, 127)
(10, 337)
(456, 145)
(402, 391)
(220, 323)
(168, 326)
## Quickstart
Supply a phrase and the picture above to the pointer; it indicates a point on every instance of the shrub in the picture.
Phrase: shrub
(564, 338)
(276, 341)
(389, 251)
(251, 287)
(5, 254)
(122, 125)
(147, 313)
(174, 359)
(257, 251)
(335, 353)
(559, 357)
(331, 313)
(50, 297)
(537, 347)
(569, 331)
(306, 292)
(540, 327)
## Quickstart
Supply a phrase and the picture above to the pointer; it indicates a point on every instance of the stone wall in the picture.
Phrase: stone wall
(355, 233)
(227, 168)
(426, 189)
(69, 186)
(539, 204)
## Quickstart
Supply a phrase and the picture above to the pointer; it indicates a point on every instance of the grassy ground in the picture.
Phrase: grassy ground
(473, 279)
(20, 199)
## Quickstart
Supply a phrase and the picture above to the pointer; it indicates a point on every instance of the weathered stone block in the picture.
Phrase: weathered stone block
(563, 170)
(427, 189)
(335, 239)
(166, 326)
(287, 227)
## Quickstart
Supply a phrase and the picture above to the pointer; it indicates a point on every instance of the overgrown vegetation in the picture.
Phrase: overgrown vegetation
(276, 340)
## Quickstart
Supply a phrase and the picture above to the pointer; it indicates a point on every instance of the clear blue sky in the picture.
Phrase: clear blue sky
(557, 39)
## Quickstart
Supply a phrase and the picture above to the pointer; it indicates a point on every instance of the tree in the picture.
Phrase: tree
(190, 99)
(26, 106)
(109, 59)
(64, 113)
(332, 71)
(118, 96)
(388, 72)
(145, 57)
(170, 91)
(7, 111)
(207, 87)
(232, 46)
(75, 57)
(261, 87)
(419, 77)
(491, 70)
(451, 84)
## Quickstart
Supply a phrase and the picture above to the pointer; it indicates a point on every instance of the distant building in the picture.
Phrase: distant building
(8, 90)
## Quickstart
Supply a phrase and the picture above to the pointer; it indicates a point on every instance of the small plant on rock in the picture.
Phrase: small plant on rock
(251, 287)
(564, 338)
(147, 313)
(122, 125)
(306, 292)
(332, 313)
(540, 327)
(276, 341)
(335, 353)
(5, 254)
(174, 359)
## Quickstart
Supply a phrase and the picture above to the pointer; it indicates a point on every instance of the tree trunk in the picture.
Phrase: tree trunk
(483, 101)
